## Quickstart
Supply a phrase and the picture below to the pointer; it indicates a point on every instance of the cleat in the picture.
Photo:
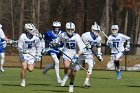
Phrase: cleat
(87, 84)
(71, 88)
(1, 69)
(119, 77)
(47, 68)
(63, 82)
(22, 84)
(59, 81)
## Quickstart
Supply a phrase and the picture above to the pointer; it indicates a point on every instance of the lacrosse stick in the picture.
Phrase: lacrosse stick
(92, 50)
(93, 53)
(72, 61)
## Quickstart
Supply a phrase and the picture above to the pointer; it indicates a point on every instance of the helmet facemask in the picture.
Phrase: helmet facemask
(56, 27)
(95, 29)
(114, 29)
(70, 28)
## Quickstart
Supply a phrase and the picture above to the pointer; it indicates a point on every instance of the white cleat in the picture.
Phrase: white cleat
(1, 69)
(23, 84)
(47, 68)
(71, 88)
(87, 84)
(119, 77)
(59, 80)
(63, 82)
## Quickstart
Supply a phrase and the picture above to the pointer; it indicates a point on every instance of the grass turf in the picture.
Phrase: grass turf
(101, 81)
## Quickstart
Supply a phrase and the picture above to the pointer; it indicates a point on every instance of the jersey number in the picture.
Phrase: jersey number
(70, 45)
(30, 46)
(115, 44)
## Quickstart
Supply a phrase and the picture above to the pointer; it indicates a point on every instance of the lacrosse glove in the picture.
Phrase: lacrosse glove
(127, 48)
(37, 58)
(99, 56)
(75, 59)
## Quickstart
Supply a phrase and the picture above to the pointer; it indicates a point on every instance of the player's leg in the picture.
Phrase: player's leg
(66, 64)
(50, 66)
(2, 61)
(110, 64)
(23, 73)
(117, 65)
(56, 62)
(118, 72)
(72, 78)
(90, 64)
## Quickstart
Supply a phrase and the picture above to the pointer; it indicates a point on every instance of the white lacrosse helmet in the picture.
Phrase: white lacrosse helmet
(56, 27)
(0, 25)
(70, 28)
(95, 27)
(114, 29)
(30, 28)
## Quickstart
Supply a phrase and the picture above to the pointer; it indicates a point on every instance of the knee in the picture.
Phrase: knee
(90, 70)
(117, 64)
(30, 69)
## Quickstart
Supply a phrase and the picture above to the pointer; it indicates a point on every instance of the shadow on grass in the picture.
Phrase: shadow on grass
(102, 78)
(57, 91)
(134, 86)
(26, 85)
(75, 87)
(10, 84)
(40, 84)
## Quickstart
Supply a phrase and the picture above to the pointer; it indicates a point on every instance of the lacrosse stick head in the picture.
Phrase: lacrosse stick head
(70, 28)
(56, 27)
(114, 29)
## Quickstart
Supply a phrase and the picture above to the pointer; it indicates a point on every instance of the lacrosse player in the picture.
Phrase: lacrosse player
(91, 39)
(29, 50)
(50, 36)
(2, 54)
(3, 40)
(116, 43)
(72, 42)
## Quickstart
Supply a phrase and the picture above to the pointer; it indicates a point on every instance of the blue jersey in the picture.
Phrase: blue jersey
(50, 36)
(1, 46)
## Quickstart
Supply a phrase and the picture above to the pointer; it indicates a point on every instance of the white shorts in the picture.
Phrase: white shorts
(87, 58)
(116, 56)
(68, 55)
(27, 58)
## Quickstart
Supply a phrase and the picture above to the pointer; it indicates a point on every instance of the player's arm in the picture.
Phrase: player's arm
(109, 42)
(86, 41)
(128, 39)
(3, 35)
(38, 45)
(20, 44)
(99, 53)
(81, 45)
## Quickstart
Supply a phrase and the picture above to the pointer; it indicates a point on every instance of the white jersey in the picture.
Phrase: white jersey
(2, 35)
(31, 45)
(42, 44)
(90, 41)
(118, 42)
(71, 44)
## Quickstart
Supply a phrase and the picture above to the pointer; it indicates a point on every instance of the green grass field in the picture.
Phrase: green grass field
(101, 81)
